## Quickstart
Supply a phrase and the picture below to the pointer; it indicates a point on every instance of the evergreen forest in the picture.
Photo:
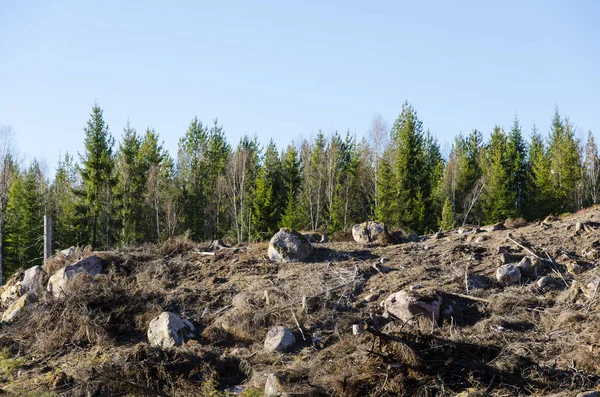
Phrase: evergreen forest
(125, 188)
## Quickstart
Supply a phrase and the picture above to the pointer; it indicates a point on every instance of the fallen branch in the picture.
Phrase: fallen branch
(473, 298)
(298, 324)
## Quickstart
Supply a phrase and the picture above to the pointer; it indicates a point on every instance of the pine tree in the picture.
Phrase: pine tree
(131, 183)
(565, 163)
(388, 204)
(268, 199)
(541, 194)
(219, 152)
(24, 221)
(193, 147)
(291, 183)
(517, 183)
(446, 221)
(410, 173)
(65, 225)
(96, 172)
(496, 200)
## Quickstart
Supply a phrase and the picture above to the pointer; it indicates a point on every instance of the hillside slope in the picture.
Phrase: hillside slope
(537, 337)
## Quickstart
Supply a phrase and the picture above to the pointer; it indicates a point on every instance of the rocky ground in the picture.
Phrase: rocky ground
(473, 312)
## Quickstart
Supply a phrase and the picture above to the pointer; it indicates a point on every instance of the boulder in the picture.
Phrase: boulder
(289, 246)
(544, 282)
(407, 305)
(530, 267)
(369, 232)
(508, 274)
(68, 253)
(287, 384)
(75, 274)
(32, 278)
(11, 291)
(279, 339)
(169, 330)
(17, 307)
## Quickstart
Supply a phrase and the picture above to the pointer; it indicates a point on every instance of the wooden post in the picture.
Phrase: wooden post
(47, 237)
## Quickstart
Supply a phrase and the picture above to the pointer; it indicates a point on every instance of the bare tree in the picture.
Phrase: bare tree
(234, 185)
(6, 177)
(378, 140)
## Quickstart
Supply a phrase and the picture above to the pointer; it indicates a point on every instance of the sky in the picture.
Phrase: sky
(284, 70)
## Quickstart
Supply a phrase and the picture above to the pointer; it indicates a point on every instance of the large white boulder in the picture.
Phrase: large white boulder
(169, 330)
(73, 275)
(369, 232)
(508, 274)
(410, 305)
(279, 339)
(289, 246)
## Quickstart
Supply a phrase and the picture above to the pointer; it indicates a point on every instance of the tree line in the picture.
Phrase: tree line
(134, 191)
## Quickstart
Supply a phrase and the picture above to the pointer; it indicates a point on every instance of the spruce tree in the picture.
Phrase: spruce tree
(541, 193)
(291, 180)
(518, 182)
(65, 225)
(96, 172)
(193, 147)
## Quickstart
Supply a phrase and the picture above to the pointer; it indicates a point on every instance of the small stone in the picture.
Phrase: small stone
(544, 282)
(502, 249)
(357, 329)
(508, 274)
(578, 227)
(530, 267)
(68, 253)
(274, 385)
(371, 297)
(439, 235)
(407, 306)
(279, 339)
(169, 330)
(415, 287)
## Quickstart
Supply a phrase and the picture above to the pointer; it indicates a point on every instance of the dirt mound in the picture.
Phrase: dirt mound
(534, 338)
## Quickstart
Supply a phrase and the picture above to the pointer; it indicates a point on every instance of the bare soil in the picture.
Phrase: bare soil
(491, 340)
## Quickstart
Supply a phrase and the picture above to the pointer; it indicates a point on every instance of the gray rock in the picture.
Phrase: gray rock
(32, 278)
(508, 274)
(369, 232)
(68, 253)
(409, 305)
(17, 307)
(169, 330)
(279, 339)
(544, 282)
(61, 281)
(530, 267)
(289, 246)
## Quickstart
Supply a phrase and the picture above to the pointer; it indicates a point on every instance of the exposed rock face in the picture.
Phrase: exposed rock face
(279, 339)
(75, 274)
(369, 232)
(169, 330)
(16, 307)
(508, 274)
(530, 267)
(289, 246)
(410, 305)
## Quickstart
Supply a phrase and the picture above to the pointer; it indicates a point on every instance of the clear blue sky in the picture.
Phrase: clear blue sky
(286, 69)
